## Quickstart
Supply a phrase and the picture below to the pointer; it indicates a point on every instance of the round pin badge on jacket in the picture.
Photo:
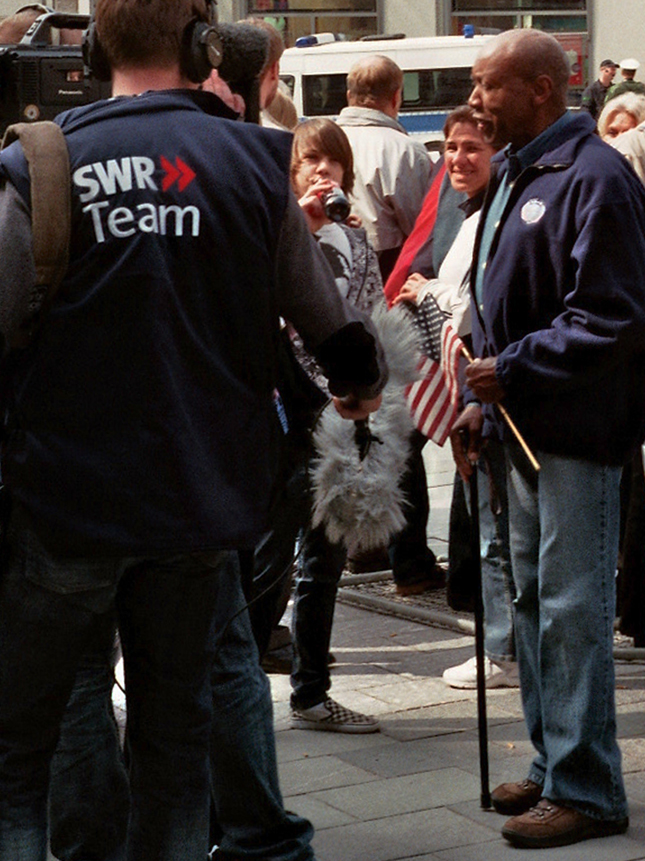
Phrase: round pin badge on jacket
(532, 211)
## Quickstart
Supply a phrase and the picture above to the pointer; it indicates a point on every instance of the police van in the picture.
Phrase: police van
(436, 76)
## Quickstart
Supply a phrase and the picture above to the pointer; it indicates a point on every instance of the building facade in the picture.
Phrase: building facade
(590, 30)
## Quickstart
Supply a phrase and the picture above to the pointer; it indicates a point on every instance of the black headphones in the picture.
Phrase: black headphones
(94, 56)
(201, 52)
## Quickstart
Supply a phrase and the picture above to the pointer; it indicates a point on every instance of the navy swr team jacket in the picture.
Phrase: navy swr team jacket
(144, 418)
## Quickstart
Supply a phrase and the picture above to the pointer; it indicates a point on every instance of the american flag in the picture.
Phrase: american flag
(433, 398)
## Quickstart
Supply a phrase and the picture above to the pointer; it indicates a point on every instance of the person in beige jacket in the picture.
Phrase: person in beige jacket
(392, 171)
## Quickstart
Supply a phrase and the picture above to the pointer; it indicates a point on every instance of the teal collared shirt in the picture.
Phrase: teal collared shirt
(517, 162)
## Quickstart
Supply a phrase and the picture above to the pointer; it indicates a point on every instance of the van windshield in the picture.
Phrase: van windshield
(423, 90)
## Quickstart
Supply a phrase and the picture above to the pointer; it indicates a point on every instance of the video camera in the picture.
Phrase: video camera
(42, 76)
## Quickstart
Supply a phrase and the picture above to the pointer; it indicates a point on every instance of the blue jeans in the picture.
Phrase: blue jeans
(247, 800)
(314, 601)
(89, 791)
(564, 546)
(166, 608)
(498, 588)
(410, 557)
(316, 584)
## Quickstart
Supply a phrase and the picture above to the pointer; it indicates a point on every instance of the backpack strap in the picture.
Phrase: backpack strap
(45, 149)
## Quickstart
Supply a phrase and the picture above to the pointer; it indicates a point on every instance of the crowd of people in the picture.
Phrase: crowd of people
(157, 448)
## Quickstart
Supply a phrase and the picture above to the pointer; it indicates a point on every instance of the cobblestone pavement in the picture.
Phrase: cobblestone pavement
(413, 790)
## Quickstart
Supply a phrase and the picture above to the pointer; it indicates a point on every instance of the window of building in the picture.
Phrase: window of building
(294, 18)
(519, 5)
(566, 19)
(558, 16)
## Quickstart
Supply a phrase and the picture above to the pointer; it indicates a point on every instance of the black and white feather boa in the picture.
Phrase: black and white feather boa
(360, 501)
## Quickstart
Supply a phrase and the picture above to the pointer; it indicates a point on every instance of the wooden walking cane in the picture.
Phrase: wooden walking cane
(479, 641)
(509, 421)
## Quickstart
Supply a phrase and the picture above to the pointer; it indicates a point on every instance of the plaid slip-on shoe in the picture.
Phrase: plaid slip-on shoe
(330, 716)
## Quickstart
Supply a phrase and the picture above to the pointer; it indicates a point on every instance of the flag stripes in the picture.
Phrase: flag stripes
(433, 399)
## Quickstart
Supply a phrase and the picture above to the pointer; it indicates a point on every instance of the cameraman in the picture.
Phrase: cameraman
(143, 444)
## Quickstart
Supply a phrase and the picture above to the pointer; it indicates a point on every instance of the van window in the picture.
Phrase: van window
(323, 94)
(435, 88)
(290, 81)
(423, 90)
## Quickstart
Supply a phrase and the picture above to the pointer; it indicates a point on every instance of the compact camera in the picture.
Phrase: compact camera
(336, 205)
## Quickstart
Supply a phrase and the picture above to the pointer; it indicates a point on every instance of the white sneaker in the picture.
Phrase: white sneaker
(502, 674)
(332, 717)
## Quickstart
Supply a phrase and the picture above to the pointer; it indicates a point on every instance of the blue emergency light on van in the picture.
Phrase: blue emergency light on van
(317, 39)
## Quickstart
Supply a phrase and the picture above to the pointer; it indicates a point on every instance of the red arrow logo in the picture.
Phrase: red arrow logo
(178, 172)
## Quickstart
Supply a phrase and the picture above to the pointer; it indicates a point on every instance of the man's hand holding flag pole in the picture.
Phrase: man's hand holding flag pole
(481, 379)
(433, 399)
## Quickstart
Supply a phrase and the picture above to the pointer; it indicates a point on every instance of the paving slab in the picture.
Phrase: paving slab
(415, 757)
(400, 837)
(440, 719)
(635, 786)
(303, 744)
(380, 799)
(619, 848)
(316, 810)
(633, 750)
(327, 772)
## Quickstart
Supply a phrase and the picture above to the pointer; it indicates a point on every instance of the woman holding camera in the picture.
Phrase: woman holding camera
(322, 175)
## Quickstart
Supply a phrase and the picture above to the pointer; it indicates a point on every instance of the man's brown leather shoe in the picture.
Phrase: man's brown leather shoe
(512, 799)
(549, 824)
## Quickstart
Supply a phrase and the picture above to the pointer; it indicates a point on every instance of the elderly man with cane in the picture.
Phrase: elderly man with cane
(559, 329)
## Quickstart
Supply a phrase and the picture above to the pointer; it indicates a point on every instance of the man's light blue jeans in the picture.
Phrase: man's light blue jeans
(498, 589)
(564, 545)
